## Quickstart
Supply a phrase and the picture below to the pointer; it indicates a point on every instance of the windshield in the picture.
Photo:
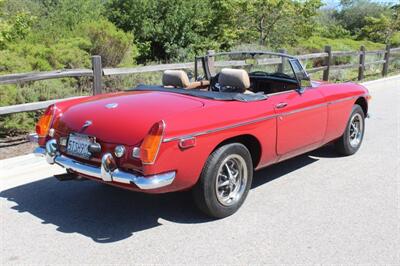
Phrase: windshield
(256, 64)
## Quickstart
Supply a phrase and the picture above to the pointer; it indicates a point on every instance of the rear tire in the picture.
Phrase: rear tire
(351, 140)
(224, 181)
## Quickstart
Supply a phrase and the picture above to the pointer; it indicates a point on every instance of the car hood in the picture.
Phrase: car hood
(123, 117)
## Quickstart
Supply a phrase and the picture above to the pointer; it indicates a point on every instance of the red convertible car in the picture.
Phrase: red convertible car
(208, 135)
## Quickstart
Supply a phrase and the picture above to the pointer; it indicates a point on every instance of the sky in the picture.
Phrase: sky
(335, 3)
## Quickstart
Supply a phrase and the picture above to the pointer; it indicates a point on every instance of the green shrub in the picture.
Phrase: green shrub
(19, 123)
(38, 56)
(395, 40)
(11, 62)
(72, 53)
(107, 41)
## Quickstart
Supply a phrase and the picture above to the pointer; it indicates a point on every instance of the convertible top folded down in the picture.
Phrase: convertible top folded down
(214, 95)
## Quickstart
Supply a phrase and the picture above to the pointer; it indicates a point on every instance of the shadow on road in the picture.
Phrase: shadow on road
(108, 214)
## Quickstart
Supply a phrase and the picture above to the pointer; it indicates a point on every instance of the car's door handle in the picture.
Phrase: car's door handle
(281, 105)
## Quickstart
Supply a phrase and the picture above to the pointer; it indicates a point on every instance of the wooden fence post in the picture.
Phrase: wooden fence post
(196, 71)
(387, 61)
(281, 66)
(97, 74)
(211, 61)
(328, 61)
(361, 67)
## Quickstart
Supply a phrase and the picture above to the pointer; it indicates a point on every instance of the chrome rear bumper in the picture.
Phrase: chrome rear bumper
(103, 172)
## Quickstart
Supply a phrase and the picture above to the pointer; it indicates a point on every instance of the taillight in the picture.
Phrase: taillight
(44, 123)
(151, 143)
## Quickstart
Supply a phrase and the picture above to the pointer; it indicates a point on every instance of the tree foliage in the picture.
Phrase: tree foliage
(129, 31)
(383, 28)
(353, 14)
(280, 22)
(15, 25)
(164, 29)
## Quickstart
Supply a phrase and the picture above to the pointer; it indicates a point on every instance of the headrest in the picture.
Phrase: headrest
(236, 78)
(175, 78)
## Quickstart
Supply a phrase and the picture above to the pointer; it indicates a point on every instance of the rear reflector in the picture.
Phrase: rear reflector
(187, 143)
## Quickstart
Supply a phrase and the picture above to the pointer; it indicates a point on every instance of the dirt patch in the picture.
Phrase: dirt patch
(15, 146)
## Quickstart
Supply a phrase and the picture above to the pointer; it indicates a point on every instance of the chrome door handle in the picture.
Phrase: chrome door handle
(281, 105)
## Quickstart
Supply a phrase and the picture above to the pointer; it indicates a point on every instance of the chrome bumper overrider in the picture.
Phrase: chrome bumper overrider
(33, 137)
(104, 172)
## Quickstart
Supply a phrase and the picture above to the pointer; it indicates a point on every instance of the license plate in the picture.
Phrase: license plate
(78, 145)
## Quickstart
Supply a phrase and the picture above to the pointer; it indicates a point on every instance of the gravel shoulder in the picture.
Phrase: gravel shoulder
(15, 146)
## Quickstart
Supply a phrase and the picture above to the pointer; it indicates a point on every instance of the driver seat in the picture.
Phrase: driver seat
(234, 80)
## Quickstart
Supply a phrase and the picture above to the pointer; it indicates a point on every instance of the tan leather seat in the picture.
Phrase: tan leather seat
(236, 79)
(179, 79)
(175, 78)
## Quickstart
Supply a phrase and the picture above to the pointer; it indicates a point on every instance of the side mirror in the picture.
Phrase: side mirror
(301, 75)
(305, 82)
(301, 90)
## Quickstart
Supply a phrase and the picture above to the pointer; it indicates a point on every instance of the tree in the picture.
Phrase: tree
(353, 14)
(280, 22)
(231, 23)
(164, 29)
(382, 28)
(328, 26)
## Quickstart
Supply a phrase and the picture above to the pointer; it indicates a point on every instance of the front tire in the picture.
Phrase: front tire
(351, 140)
(224, 181)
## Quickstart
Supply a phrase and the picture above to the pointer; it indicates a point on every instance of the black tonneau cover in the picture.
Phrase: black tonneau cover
(214, 95)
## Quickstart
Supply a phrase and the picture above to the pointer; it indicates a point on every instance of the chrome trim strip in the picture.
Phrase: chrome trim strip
(220, 129)
(345, 99)
(304, 109)
(257, 120)
(143, 182)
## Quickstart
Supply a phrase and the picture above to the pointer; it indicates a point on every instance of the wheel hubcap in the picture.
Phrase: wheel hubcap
(356, 130)
(231, 180)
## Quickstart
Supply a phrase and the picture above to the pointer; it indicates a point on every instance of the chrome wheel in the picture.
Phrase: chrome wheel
(231, 180)
(356, 130)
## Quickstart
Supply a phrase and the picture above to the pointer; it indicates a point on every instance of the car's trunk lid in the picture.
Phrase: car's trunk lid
(124, 117)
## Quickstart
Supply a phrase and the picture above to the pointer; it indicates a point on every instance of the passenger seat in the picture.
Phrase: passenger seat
(179, 79)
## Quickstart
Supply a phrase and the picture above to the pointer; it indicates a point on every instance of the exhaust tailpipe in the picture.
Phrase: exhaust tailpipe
(69, 176)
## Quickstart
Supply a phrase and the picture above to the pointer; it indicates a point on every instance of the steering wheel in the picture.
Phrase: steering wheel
(258, 73)
(280, 74)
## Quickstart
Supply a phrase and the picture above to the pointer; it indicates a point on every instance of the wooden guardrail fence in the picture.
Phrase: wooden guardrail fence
(97, 72)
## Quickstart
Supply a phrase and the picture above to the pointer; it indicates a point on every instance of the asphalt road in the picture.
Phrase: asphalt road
(316, 208)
